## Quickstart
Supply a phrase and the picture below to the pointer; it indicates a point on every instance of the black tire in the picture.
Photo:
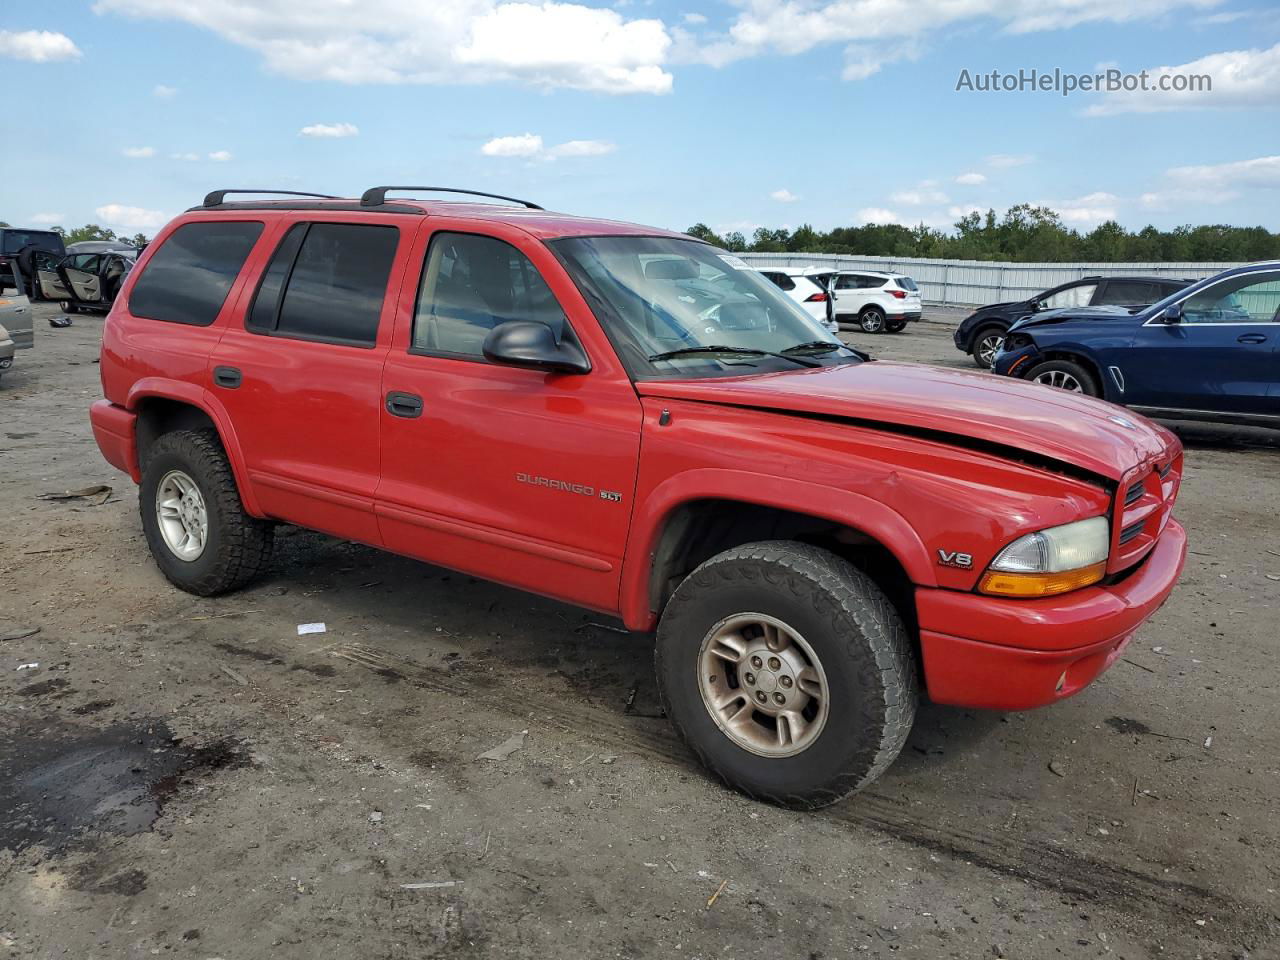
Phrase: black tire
(992, 331)
(871, 320)
(853, 629)
(1067, 368)
(896, 326)
(238, 546)
(66, 306)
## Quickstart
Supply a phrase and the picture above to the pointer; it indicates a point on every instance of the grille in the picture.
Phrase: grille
(1131, 531)
(1133, 494)
(1142, 509)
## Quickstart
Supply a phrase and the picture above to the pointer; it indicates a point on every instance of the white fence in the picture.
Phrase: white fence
(975, 282)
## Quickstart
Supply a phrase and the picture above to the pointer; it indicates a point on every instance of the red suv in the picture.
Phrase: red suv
(636, 422)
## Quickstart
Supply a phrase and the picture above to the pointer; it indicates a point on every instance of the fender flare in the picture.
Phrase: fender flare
(853, 510)
(183, 391)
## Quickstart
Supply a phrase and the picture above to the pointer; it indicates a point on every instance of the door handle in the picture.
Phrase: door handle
(228, 377)
(1252, 338)
(407, 405)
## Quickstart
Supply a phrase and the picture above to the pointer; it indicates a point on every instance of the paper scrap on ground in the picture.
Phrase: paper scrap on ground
(505, 749)
(430, 886)
(305, 628)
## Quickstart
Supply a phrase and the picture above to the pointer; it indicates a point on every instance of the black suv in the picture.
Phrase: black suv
(18, 244)
(982, 332)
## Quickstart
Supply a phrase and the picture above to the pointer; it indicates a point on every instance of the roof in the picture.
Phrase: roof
(543, 224)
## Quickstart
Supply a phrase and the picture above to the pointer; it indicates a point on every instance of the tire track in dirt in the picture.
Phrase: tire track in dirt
(1066, 872)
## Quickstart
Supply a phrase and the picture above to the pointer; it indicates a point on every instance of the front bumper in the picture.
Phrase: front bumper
(1018, 654)
(1015, 363)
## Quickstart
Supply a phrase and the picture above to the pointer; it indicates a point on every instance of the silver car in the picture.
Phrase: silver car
(16, 330)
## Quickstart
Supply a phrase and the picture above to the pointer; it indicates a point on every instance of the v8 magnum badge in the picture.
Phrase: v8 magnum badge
(953, 558)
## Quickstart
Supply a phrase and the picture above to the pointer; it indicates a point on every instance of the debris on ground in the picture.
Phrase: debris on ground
(1057, 768)
(60, 322)
(436, 885)
(96, 490)
(234, 676)
(29, 666)
(305, 628)
(375, 817)
(506, 748)
(716, 896)
(1208, 742)
(20, 634)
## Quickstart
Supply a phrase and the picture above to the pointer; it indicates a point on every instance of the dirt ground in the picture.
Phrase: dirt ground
(191, 778)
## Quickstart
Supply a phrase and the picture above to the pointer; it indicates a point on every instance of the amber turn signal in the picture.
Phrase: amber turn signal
(1003, 584)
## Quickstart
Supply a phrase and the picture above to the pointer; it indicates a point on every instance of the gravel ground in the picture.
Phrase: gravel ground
(192, 778)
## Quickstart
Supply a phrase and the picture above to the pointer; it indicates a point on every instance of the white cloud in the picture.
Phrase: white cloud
(530, 146)
(220, 156)
(971, 179)
(334, 130)
(582, 148)
(524, 145)
(877, 215)
(187, 157)
(546, 43)
(47, 218)
(694, 19)
(1089, 209)
(964, 210)
(39, 46)
(1214, 183)
(1237, 78)
(927, 192)
(1005, 160)
(862, 60)
(784, 196)
(164, 92)
(139, 153)
(131, 218)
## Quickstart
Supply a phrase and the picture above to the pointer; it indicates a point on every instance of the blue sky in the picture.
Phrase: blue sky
(738, 114)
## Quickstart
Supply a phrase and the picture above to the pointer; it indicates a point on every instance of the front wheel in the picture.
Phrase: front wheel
(1065, 375)
(788, 673)
(197, 528)
(66, 306)
(871, 320)
(986, 345)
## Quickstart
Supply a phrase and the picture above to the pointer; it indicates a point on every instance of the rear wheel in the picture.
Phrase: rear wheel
(196, 526)
(788, 673)
(1065, 375)
(871, 320)
(896, 326)
(66, 306)
(986, 345)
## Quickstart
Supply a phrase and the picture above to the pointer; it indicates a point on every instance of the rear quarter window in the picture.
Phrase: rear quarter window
(189, 277)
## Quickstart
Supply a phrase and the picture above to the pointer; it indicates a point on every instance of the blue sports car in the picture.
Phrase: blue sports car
(1208, 352)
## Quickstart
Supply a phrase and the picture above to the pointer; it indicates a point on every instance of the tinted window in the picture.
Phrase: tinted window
(870, 283)
(15, 240)
(189, 277)
(1078, 296)
(906, 283)
(336, 277)
(782, 280)
(1128, 292)
(470, 284)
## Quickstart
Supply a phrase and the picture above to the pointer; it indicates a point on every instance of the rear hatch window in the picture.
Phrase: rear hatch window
(906, 283)
(15, 240)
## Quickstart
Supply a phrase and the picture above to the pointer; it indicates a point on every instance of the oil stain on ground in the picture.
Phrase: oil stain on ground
(60, 781)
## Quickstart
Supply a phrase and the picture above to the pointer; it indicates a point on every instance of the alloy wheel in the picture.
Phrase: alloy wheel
(182, 516)
(763, 685)
(1060, 379)
(988, 347)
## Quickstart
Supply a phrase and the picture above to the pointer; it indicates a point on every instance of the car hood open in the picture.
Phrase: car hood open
(1003, 415)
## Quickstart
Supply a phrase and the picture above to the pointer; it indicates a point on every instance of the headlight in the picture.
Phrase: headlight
(1051, 561)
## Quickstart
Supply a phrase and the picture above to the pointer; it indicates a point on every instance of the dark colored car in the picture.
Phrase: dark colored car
(81, 281)
(17, 244)
(1211, 352)
(980, 333)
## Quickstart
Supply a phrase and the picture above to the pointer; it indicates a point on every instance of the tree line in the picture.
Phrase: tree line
(1025, 233)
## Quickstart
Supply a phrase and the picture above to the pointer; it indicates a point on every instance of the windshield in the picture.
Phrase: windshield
(15, 240)
(679, 308)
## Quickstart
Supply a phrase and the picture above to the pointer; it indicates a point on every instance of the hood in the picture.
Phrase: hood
(1064, 314)
(999, 307)
(1074, 430)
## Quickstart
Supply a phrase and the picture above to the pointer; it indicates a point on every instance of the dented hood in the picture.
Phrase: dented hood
(1069, 428)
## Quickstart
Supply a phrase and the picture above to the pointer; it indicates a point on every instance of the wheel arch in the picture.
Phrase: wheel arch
(689, 519)
(1079, 356)
(164, 406)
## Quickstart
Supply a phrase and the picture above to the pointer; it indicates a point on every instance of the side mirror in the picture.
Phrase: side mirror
(1035, 305)
(1172, 314)
(527, 343)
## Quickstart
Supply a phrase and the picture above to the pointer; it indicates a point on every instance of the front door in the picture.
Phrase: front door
(517, 475)
(299, 371)
(1220, 355)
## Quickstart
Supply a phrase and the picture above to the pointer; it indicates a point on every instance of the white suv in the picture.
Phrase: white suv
(876, 301)
(807, 286)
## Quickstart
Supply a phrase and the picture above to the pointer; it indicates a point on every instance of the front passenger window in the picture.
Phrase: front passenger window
(470, 285)
(1250, 298)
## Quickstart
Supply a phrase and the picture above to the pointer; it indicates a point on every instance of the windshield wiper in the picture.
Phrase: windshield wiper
(746, 351)
(822, 346)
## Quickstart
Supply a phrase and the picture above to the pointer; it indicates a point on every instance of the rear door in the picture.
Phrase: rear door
(1222, 355)
(516, 475)
(299, 369)
(1122, 292)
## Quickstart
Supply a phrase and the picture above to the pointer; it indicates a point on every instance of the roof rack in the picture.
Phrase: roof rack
(218, 196)
(376, 196)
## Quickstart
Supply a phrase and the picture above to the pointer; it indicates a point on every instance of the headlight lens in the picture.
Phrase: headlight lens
(1051, 561)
